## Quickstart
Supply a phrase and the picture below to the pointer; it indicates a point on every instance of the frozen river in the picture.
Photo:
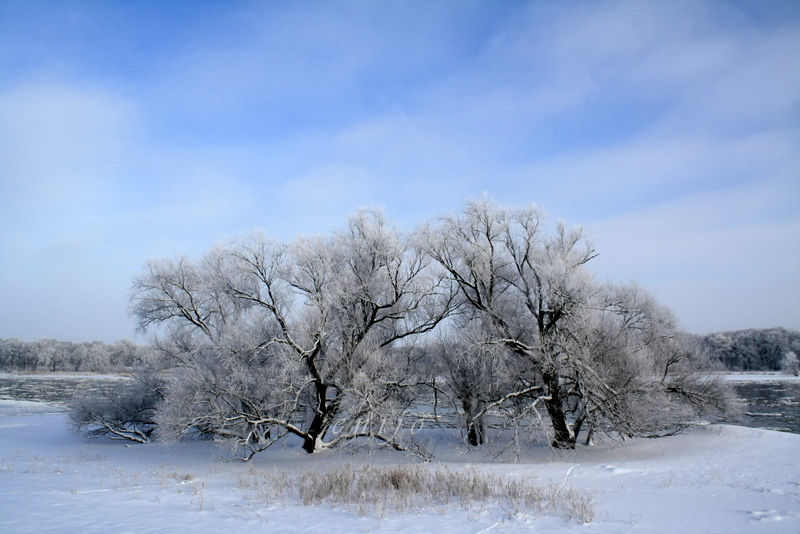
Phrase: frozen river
(774, 405)
(57, 390)
(770, 404)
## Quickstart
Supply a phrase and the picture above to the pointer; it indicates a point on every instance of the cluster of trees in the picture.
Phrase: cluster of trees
(766, 349)
(50, 355)
(333, 338)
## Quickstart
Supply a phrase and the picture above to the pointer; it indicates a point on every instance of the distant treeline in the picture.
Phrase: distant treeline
(755, 349)
(50, 355)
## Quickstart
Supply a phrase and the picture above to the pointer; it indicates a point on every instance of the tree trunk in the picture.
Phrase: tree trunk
(318, 426)
(562, 438)
(475, 433)
(476, 427)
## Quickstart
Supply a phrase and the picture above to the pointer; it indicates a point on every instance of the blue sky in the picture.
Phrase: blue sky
(128, 130)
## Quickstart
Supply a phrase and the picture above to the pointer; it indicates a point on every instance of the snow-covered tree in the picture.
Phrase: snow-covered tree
(312, 338)
(317, 338)
(589, 353)
(790, 363)
(477, 373)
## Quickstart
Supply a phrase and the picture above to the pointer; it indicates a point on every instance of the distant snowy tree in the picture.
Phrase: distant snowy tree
(790, 363)
(50, 355)
(754, 349)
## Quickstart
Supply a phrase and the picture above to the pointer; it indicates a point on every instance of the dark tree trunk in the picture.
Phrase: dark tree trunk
(475, 433)
(318, 425)
(562, 438)
(476, 428)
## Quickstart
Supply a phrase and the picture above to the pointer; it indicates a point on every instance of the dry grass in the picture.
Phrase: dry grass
(402, 488)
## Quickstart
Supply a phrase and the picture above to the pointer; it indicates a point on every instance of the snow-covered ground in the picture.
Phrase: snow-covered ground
(712, 478)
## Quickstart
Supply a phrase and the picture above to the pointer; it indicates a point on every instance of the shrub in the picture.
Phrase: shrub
(127, 412)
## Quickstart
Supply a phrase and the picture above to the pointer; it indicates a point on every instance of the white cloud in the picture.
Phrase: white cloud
(718, 257)
(85, 198)
(763, 85)
(60, 145)
(655, 169)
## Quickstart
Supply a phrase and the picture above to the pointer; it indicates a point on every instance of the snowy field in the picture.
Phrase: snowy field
(713, 478)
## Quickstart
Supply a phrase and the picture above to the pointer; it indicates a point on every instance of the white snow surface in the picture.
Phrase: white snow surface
(713, 478)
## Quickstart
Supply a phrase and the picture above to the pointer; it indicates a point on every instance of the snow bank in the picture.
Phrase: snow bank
(760, 377)
(713, 478)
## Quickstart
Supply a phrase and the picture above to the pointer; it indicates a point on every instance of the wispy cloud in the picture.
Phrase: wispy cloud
(722, 258)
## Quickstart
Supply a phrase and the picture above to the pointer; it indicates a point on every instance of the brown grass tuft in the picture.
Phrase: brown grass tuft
(401, 488)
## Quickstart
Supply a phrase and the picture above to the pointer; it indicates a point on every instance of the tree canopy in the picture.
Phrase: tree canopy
(335, 338)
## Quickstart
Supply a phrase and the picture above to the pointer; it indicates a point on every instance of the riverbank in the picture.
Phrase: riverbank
(713, 478)
(124, 375)
(764, 376)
